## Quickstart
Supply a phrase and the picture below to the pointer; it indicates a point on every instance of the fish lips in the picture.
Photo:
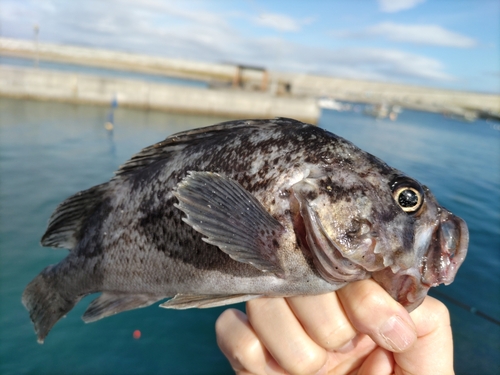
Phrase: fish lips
(444, 255)
(446, 252)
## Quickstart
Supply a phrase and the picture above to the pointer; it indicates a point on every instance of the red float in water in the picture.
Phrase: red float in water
(137, 334)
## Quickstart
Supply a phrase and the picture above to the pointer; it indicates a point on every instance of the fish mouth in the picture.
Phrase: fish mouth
(446, 252)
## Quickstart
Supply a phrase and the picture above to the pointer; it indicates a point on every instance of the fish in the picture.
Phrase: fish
(240, 210)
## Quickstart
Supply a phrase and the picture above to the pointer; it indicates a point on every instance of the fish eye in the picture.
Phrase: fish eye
(408, 194)
(409, 199)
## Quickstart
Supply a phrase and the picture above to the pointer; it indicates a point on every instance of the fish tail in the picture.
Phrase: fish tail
(45, 302)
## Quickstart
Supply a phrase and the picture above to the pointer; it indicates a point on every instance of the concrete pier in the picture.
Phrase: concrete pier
(117, 60)
(298, 99)
(414, 97)
(81, 88)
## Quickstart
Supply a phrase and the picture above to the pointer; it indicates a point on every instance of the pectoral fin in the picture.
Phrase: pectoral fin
(231, 219)
(108, 304)
(187, 301)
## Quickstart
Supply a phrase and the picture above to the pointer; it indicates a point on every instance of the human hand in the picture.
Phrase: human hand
(358, 329)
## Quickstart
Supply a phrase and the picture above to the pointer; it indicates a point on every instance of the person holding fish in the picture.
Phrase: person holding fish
(358, 329)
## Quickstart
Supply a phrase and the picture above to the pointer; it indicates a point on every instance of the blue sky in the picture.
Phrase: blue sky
(451, 44)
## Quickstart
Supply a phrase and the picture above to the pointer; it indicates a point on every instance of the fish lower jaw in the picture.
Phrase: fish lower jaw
(404, 286)
(412, 291)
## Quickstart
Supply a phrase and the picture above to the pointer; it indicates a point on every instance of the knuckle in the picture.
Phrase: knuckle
(247, 352)
(369, 302)
(225, 319)
(338, 337)
(307, 361)
(441, 313)
(241, 347)
(365, 297)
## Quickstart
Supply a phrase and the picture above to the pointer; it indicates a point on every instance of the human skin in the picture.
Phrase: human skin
(358, 329)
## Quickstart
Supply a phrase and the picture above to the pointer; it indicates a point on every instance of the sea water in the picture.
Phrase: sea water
(49, 151)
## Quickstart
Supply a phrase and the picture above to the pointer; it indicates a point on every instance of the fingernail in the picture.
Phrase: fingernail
(398, 334)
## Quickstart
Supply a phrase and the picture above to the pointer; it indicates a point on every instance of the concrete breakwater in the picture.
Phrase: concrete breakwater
(80, 88)
(117, 60)
(413, 97)
(299, 89)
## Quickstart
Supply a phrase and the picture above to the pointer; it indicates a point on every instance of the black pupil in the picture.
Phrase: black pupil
(407, 198)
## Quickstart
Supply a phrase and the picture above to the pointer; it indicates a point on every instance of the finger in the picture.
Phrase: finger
(283, 336)
(380, 362)
(324, 319)
(241, 346)
(350, 361)
(373, 311)
(433, 351)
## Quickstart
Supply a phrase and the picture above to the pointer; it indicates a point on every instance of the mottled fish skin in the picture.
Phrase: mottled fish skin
(130, 239)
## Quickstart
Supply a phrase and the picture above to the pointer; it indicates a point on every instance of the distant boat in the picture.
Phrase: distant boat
(330, 103)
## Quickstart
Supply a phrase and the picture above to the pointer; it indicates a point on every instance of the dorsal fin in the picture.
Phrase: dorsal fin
(178, 141)
(63, 230)
(65, 223)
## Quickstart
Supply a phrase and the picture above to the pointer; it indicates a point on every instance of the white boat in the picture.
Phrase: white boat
(329, 103)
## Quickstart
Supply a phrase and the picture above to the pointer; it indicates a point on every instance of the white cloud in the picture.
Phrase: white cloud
(422, 34)
(280, 22)
(184, 30)
(393, 6)
(193, 12)
(419, 34)
(389, 65)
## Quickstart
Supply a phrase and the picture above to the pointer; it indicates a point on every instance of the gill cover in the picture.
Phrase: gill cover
(328, 256)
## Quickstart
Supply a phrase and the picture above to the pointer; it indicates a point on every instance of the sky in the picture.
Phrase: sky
(451, 44)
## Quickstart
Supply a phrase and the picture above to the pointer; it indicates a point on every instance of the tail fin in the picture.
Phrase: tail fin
(45, 302)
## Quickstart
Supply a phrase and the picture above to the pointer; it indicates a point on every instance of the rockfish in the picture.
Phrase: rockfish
(240, 210)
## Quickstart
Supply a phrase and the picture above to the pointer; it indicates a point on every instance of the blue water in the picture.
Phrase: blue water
(49, 151)
(102, 72)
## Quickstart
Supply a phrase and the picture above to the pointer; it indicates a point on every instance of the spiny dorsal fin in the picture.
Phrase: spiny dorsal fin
(65, 223)
(178, 141)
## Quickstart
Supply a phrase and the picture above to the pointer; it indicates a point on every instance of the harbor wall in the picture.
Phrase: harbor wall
(32, 83)
(118, 60)
(300, 85)
(418, 97)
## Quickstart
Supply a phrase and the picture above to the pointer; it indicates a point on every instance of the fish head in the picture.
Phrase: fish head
(439, 245)
(383, 225)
